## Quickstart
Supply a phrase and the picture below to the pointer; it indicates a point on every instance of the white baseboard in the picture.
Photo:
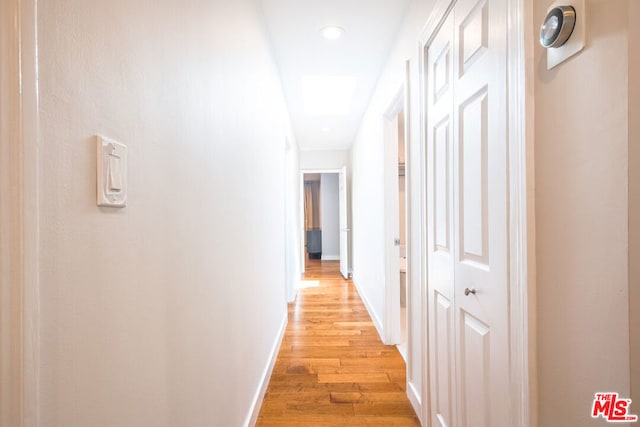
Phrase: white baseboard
(254, 411)
(330, 258)
(374, 316)
(416, 400)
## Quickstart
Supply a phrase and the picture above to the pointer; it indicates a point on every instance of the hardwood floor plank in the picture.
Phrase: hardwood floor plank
(285, 389)
(381, 387)
(332, 369)
(345, 397)
(318, 408)
(380, 362)
(383, 409)
(379, 377)
(337, 421)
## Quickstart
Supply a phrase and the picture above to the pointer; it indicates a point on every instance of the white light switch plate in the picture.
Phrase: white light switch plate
(111, 173)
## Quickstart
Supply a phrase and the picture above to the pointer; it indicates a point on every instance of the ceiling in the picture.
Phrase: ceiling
(301, 51)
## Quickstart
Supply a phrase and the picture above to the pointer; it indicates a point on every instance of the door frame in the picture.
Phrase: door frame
(301, 212)
(522, 303)
(391, 318)
(19, 231)
(343, 220)
(398, 103)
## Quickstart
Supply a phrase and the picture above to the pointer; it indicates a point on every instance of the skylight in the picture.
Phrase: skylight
(328, 95)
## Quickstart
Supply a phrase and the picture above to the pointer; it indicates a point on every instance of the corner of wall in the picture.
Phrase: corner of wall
(634, 200)
(372, 313)
(19, 213)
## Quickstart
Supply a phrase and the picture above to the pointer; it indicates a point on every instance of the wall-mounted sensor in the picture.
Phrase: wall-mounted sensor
(557, 26)
(562, 31)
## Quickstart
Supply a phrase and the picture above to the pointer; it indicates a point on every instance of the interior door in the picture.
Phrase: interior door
(440, 251)
(468, 249)
(344, 224)
(480, 212)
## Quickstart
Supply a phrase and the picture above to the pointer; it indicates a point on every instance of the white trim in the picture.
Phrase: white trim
(401, 101)
(414, 395)
(391, 315)
(430, 27)
(19, 340)
(303, 171)
(372, 314)
(301, 227)
(521, 209)
(330, 257)
(344, 222)
(408, 218)
(520, 62)
(256, 404)
(434, 22)
(415, 400)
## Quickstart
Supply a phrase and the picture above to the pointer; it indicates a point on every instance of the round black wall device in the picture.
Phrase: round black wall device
(558, 26)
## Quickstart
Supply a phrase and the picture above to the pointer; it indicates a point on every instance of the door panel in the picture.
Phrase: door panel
(480, 208)
(474, 36)
(474, 370)
(440, 225)
(442, 186)
(467, 216)
(441, 70)
(472, 146)
(444, 358)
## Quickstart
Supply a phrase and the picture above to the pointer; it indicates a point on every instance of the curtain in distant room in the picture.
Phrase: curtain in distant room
(311, 205)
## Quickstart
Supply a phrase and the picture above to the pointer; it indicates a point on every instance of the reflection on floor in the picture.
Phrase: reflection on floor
(332, 368)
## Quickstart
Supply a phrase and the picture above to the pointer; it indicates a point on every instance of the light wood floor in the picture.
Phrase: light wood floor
(332, 368)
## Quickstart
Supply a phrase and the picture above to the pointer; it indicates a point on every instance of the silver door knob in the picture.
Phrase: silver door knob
(468, 291)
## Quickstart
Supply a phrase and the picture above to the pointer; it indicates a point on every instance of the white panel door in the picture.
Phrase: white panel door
(344, 223)
(441, 292)
(480, 213)
(467, 217)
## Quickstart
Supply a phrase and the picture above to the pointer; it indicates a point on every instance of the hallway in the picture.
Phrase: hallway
(332, 368)
(152, 197)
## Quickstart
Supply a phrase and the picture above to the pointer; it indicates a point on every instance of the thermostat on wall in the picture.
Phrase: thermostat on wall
(111, 173)
(562, 32)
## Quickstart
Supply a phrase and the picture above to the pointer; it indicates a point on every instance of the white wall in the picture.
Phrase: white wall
(581, 155)
(323, 159)
(293, 221)
(634, 199)
(368, 184)
(330, 216)
(163, 313)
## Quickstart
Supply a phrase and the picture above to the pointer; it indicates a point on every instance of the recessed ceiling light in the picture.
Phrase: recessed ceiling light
(332, 32)
(325, 129)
